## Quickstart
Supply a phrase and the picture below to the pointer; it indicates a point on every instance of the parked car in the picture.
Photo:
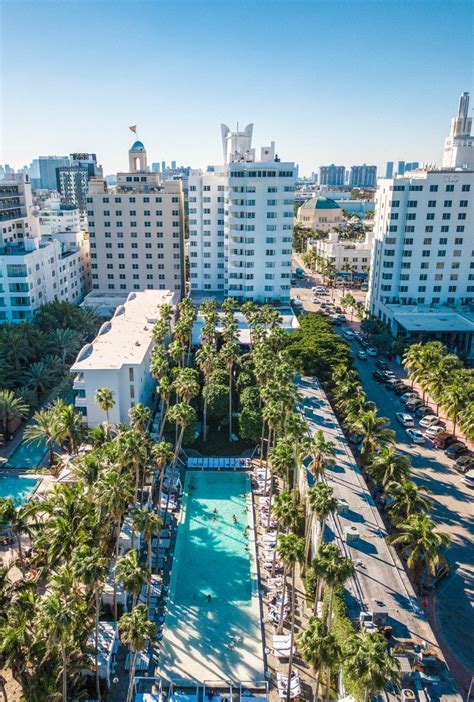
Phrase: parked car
(443, 439)
(378, 376)
(424, 411)
(412, 405)
(405, 419)
(402, 389)
(408, 396)
(336, 321)
(342, 317)
(468, 479)
(383, 365)
(392, 383)
(431, 432)
(338, 309)
(315, 301)
(465, 462)
(390, 375)
(319, 289)
(416, 436)
(371, 351)
(362, 355)
(364, 344)
(430, 420)
(456, 449)
(349, 335)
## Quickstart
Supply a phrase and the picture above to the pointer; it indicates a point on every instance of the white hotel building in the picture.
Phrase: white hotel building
(422, 267)
(241, 223)
(119, 358)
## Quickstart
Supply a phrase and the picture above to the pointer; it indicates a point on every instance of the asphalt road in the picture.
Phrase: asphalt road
(451, 609)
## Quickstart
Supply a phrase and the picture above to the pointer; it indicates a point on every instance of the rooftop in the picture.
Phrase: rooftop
(126, 338)
(320, 203)
(137, 146)
(432, 319)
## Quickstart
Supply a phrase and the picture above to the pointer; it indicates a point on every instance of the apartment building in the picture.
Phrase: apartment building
(422, 267)
(332, 175)
(136, 230)
(349, 257)
(119, 358)
(241, 222)
(363, 176)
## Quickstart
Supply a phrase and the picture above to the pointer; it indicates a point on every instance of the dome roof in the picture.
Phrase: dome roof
(320, 203)
(137, 146)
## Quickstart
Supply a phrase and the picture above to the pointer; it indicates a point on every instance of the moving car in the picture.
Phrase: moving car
(371, 351)
(383, 365)
(430, 420)
(431, 432)
(362, 355)
(443, 439)
(456, 449)
(465, 462)
(405, 419)
(416, 436)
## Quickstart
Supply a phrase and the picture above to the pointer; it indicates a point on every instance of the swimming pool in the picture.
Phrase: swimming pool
(212, 627)
(16, 487)
(27, 455)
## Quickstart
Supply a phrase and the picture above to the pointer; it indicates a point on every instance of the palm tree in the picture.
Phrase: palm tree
(135, 630)
(367, 660)
(183, 415)
(11, 406)
(186, 384)
(205, 359)
(140, 416)
(164, 388)
(38, 377)
(69, 425)
(320, 650)
(114, 491)
(65, 342)
(131, 574)
(91, 567)
(149, 524)
(374, 433)
(322, 504)
(466, 421)
(334, 569)
(408, 498)
(284, 512)
(18, 518)
(57, 618)
(322, 452)
(455, 396)
(104, 397)
(388, 466)
(420, 542)
(163, 453)
(412, 360)
(230, 354)
(45, 428)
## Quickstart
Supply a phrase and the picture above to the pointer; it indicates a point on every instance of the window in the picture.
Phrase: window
(443, 240)
(458, 240)
(430, 216)
(462, 203)
(466, 188)
(442, 253)
(427, 241)
(411, 216)
(429, 229)
(446, 215)
(462, 215)
(445, 228)
(450, 188)
(448, 203)
(431, 203)
(433, 188)
(412, 203)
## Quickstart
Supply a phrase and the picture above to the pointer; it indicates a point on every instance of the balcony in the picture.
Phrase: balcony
(78, 383)
(80, 401)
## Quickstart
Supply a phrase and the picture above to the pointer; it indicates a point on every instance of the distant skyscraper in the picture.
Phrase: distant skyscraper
(458, 147)
(389, 169)
(47, 167)
(72, 181)
(332, 175)
(363, 176)
(411, 166)
(155, 167)
(401, 168)
(163, 166)
(173, 165)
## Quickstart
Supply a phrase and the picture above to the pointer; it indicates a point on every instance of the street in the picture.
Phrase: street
(451, 609)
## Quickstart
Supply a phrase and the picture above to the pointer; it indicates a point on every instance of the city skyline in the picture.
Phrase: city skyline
(178, 95)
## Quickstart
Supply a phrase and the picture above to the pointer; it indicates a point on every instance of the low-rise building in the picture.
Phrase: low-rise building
(352, 257)
(119, 358)
(320, 213)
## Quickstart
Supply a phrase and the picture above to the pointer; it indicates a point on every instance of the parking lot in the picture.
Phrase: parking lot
(451, 608)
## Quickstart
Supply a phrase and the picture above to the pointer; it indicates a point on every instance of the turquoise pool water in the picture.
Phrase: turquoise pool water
(212, 625)
(27, 455)
(18, 488)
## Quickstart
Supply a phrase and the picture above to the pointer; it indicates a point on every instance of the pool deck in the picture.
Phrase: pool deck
(194, 649)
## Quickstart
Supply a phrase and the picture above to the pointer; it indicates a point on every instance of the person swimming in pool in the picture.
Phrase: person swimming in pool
(234, 518)
(208, 597)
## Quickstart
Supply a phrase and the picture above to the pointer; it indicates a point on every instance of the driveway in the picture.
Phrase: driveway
(451, 609)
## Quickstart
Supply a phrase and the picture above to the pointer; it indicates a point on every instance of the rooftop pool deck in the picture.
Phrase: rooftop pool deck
(212, 627)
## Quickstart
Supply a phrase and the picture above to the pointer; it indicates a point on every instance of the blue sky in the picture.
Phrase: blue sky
(338, 80)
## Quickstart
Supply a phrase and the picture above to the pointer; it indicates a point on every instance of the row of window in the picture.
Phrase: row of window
(465, 188)
(146, 198)
(430, 215)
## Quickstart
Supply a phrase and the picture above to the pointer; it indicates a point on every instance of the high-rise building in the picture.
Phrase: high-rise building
(332, 175)
(137, 231)
(241, 222)
(163, 166)
(422, 267)
(411, 166)
(47, 168)
(156, 167)
(363, 176)
(72, 181)
(36, 269)
(389, 169)
(173, 165)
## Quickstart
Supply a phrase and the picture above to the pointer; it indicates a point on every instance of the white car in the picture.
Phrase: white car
(406, 420)
(406, 397)
(315, 301)
(416, 436)
(349, 335)
(468, 478)
(318, 289)
(371, 351)
(431, 420)
(431, 432)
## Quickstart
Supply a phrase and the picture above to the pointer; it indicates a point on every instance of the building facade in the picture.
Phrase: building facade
(332, 175)
(137, 230)
(363, 176)
(320, 213)
(241, 223)
(351, 257)
(423, 253)
(73, 180)
(119, 358)
(47, 169)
